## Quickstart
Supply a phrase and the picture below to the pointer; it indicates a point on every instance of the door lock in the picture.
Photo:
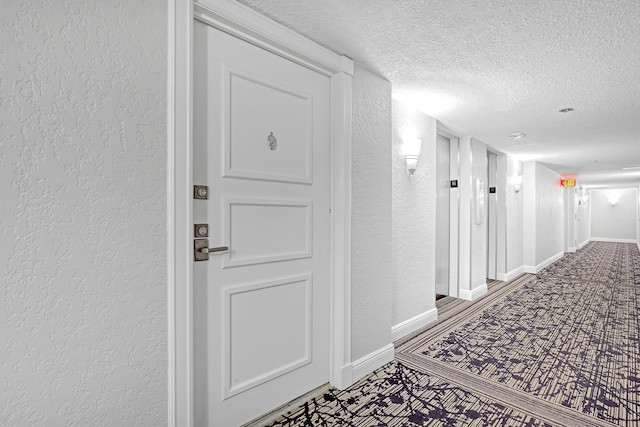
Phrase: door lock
(201, 249)
(200, 192)
(200, 230)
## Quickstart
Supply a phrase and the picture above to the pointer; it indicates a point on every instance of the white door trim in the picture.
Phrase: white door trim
(454, 210)
(242, 22)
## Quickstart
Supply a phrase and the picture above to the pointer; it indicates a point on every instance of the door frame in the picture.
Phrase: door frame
(246, 24)
(492, 216)
(454, 210)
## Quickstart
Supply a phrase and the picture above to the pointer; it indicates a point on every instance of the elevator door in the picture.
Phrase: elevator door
(442, 215)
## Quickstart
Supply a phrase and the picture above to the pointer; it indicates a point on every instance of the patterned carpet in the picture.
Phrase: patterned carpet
(558, 349)
(600, 262)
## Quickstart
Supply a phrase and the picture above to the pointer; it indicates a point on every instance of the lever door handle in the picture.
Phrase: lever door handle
(218, 249)
(202, 250)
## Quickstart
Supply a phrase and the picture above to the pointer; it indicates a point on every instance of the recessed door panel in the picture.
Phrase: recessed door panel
(261, 231)
(272, 319)
(269, 130)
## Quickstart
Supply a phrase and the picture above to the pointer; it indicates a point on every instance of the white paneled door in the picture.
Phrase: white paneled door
(261, 309)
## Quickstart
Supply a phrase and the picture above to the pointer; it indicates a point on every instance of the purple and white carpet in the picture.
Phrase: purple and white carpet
(558, 349)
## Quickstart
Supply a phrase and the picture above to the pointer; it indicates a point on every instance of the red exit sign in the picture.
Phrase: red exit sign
(568, 182)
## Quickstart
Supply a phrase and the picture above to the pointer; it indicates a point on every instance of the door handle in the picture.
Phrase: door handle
(201, 249)
(218, 249)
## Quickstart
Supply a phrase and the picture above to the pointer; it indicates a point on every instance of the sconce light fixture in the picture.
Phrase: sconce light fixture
(411, 152)
(517, 183)
(613, 197)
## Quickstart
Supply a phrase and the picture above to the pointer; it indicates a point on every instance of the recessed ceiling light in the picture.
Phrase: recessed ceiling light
(567, 110)
(632, 168)
(517, 135)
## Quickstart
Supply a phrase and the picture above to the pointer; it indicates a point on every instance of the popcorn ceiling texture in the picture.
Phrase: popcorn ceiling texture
(82, 213)
(489, 68)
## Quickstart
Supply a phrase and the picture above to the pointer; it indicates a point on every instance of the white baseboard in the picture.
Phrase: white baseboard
(583, 244)
(372, 361)
(346, 377)
(474, 293)
(606, 239)
(403, 329)
(510, 275)
(571, 249)
(535, 269)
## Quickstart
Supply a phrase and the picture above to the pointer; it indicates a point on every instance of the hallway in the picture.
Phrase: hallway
(557, 348)
(521, 118)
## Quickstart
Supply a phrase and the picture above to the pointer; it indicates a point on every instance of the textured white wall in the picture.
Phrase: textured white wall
(465, 215)
(414, 216)
(549, 214)
(614, 222)
(514, 216)
(82, 213)
(371, 262)
(529, 205)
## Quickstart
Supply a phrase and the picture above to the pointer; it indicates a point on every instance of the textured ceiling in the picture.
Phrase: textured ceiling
(488, 68)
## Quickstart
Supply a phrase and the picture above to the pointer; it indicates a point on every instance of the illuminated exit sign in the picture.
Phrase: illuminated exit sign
(568, 182)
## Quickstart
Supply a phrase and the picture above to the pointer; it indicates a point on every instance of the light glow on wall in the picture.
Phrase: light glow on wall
(613, 197)
(429, 103)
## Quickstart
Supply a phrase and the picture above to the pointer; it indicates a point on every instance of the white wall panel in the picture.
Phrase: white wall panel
(528, 194)
(479, 223)
(617, 221)
(550, 220)
(514, 215)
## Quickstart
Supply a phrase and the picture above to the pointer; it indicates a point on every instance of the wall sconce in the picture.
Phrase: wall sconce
(517, 183)
(613, 197)
(411, 152)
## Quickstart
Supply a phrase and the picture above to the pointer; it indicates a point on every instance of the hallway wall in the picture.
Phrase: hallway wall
(414, 217)
(544, 220)
(473, 236)
(479, 164)
(549, 215)
(83, 213)
(617, 222)
(514, 218)
(371, 256)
